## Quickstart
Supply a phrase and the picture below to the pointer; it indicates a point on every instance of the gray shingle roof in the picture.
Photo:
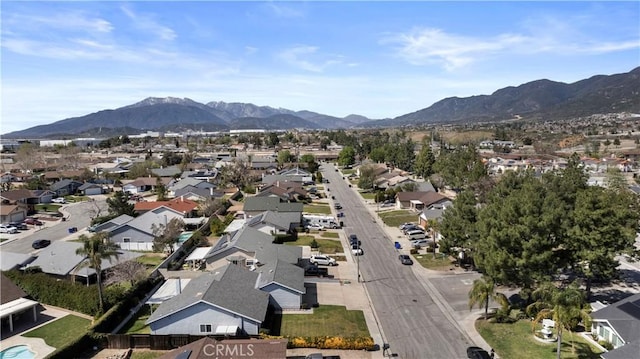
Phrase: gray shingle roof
(624, 316)
(231, 287)
(627, 351)
(270, 204)
(282, 273)
(278, 220)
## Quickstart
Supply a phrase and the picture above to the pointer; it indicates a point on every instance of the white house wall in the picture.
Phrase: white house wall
(606, 332)
(283, 298)
(134, 235)
(188, 321)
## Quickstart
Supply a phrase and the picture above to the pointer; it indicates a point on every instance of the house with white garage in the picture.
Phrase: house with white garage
(137, 234)
(221, 302)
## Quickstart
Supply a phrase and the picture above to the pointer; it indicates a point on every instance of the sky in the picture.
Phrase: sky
(373, 58)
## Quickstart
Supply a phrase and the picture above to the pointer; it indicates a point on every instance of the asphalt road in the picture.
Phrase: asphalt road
(412, 316)
(76, 214)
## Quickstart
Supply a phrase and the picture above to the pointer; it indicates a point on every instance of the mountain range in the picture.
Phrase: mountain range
(536, 100)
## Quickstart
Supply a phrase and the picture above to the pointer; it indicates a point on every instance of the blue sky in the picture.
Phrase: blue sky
(377, 59)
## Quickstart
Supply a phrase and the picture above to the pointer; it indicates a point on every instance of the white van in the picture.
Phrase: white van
(413, 235)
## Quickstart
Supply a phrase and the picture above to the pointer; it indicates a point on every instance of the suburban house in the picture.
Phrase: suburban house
(60, 260)
(418, 201)
(14, 302)
(276, 264)
(65, 187)
(201, 174)
(144, 184)
(295, 175)
(275, 223)
(256, 205)
(106, 226)
(223, 302)
(170, 171)
(91, 189)
(53, 176)
(190, 182)
(619, 324)
(12, 260)
(187, 207)
(12, 212)
(197, 194)
(137, 233)
(27, 197)
(286, 191)
(433, 212)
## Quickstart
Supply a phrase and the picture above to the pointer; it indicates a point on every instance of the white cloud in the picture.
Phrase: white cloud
(71, 20)
(298, 56)
(147, 23)
(282, 11)
(425, 46)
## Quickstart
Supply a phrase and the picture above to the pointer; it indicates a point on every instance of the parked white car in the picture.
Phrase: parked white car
(315, 227)
(59, 200)
(5, 228)
(419, 243)
(323, 260)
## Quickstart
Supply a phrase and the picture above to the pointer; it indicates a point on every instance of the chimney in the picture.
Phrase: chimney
(211, 191)
(181, 198)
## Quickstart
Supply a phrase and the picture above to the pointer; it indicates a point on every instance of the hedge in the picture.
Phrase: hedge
(326, 342)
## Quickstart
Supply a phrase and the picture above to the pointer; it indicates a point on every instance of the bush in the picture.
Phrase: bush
(330, 342)
(282, 238)
(413, 251)
(605, 344)
(314, 244)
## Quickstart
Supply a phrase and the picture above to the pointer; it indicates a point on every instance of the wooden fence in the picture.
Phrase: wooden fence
(155, 342)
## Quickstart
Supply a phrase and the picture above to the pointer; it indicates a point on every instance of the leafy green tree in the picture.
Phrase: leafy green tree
(377, 154)
(272, 139)
(615, 180)
(310, 161)
(285, 156)
(482, 291)
(161, 190)
(517, 232)
(458, 226)
(604, 226)
(347, 156)
(119, 204)
(319, 177)
(367, 176)
(95, 249)
(425, 161)
(461, 167)
(565, 306)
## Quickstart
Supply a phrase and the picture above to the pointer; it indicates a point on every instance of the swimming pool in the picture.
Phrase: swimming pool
(184, 236)
(17, 352)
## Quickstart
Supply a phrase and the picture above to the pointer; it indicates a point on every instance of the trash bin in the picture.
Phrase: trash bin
(64, 219)
(397, 245)
(341, 224)
(70, 229)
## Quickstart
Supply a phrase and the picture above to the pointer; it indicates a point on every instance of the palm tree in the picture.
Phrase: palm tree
(95, 249)
(565, 306)
(482, 291)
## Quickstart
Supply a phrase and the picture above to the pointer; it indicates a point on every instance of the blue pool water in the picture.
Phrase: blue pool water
(17, 352)
(184, 236)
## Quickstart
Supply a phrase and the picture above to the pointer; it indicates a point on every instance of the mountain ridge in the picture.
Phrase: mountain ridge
(541, 99)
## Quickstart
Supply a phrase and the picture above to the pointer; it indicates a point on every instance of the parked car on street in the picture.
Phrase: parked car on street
(19, 225)
(5, 228)
(419, 243)
(405, 259)
(356, 250)
(40, 243)
(323, 260)
(337, 206)
(477, 353)
(33, 221)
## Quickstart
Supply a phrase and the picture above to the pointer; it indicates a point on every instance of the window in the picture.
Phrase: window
(126, 239)
(205, 328)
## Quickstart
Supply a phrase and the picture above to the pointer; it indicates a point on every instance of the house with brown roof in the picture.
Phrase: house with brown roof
(417, 201)
(187, 207)
(144, 184)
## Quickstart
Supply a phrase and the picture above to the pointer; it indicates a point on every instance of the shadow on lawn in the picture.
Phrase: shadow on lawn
(582, 350)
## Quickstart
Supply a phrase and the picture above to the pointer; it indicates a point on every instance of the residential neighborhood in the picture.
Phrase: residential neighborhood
(229, 259)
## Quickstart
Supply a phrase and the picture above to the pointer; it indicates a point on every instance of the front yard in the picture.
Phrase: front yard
(396, 218)
(326, 320)
(441, 262)
(317, 208)
(516, 341)
(325, 246)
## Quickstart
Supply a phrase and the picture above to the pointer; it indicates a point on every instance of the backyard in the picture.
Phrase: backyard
(516, 341)
(62, 331)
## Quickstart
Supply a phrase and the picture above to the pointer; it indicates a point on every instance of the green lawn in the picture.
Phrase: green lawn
(317, 208)
(333, 235)
(517, 341)
(440, 262)
(151, 259)
(329, 320)
(396, 218)
(62, 331)
(49, 207)
(368, 195)
(137, 324)
(146, 354)
(347, 172)
(326, 246)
